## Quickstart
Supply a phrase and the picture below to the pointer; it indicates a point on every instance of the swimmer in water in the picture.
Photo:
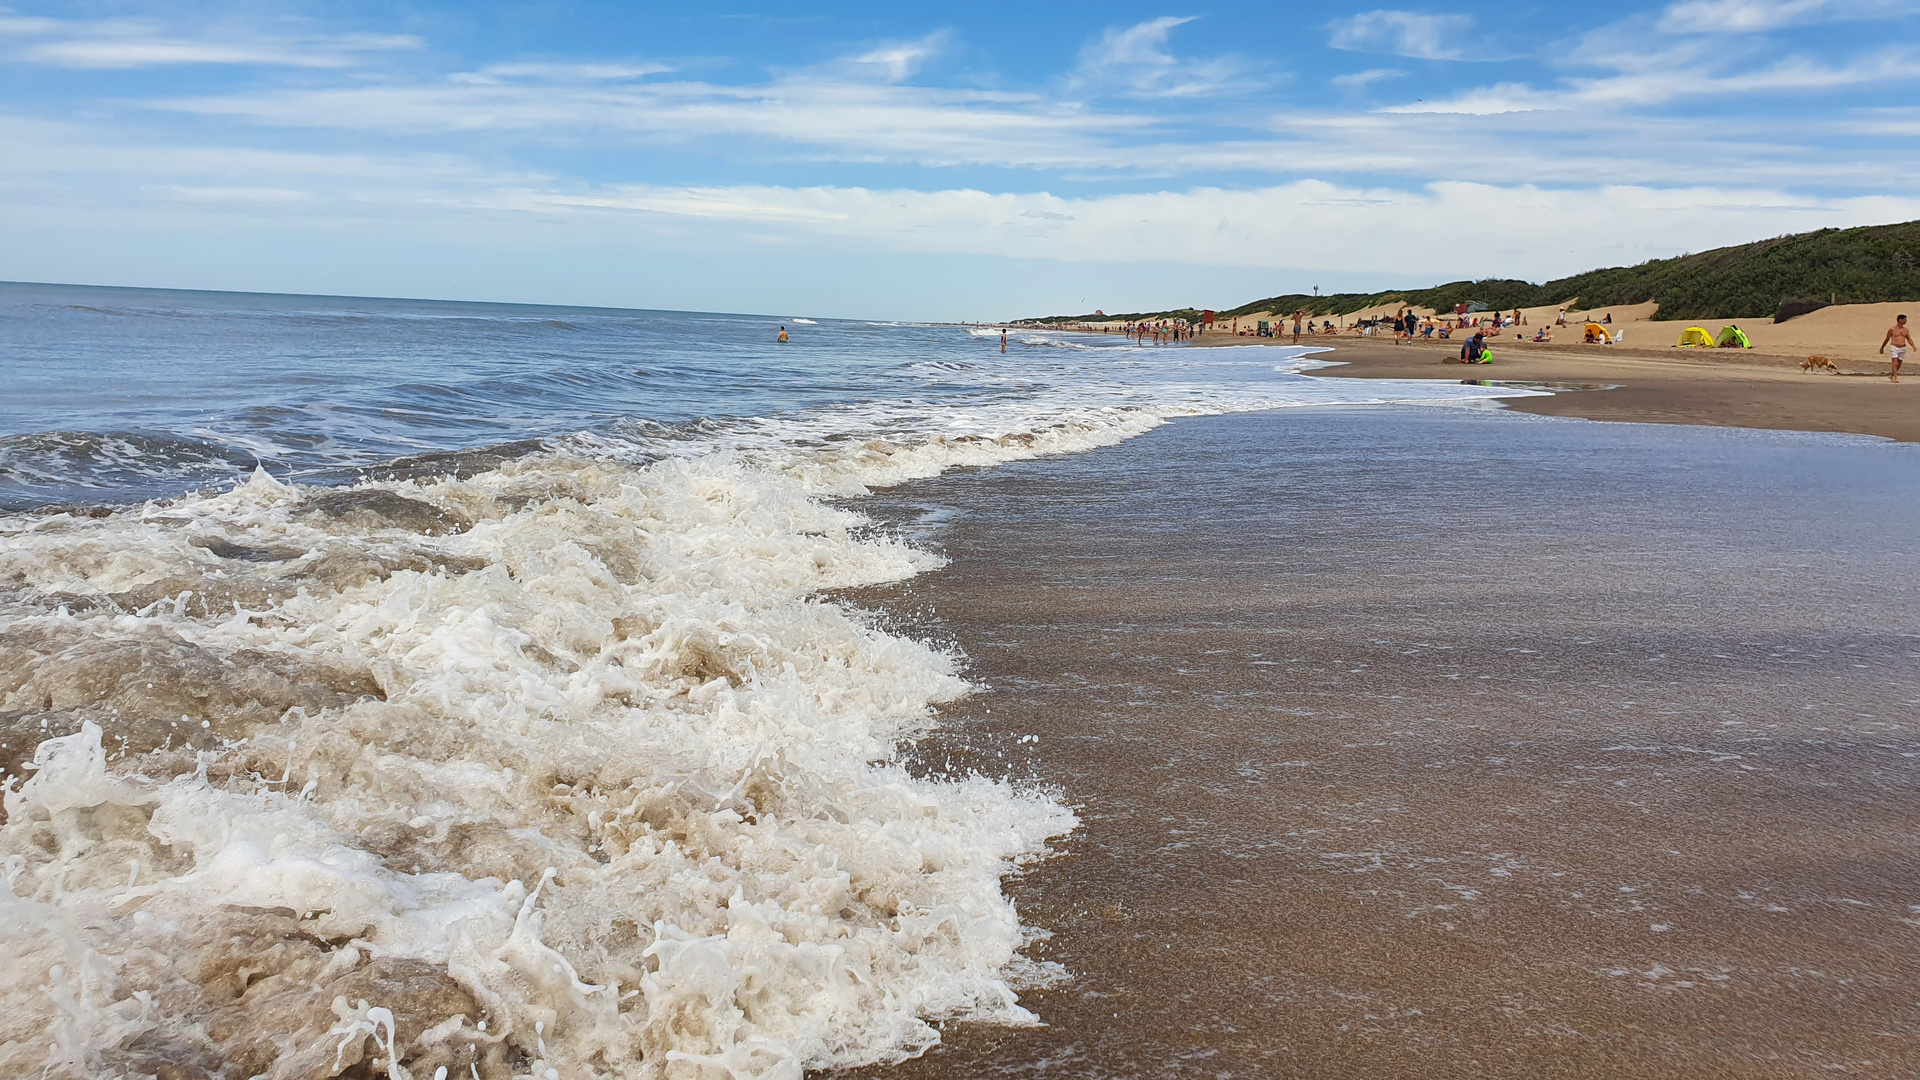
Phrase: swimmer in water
(783, 333)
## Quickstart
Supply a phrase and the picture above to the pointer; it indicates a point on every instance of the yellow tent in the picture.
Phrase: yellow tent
(1693, 337)
(1596, 332)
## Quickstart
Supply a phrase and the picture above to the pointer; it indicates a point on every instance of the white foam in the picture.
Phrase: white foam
(597, 766)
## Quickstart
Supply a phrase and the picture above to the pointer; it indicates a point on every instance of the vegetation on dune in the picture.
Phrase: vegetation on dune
(1785, 276)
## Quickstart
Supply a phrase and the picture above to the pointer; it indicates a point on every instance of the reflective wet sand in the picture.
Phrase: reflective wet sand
(1414, 742)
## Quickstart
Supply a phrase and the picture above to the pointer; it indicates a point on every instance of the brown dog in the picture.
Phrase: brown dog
(1819, 363)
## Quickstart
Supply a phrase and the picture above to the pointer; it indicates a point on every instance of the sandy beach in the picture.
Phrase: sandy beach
(1719, 388)
(1426, 742)
(1849, 334)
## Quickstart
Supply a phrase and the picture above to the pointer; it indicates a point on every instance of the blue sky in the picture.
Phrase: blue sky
(941, 161)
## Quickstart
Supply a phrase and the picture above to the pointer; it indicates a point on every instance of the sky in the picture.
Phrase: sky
(986, 160)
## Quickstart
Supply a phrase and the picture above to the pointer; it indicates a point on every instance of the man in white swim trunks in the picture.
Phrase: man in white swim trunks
(1900, 339)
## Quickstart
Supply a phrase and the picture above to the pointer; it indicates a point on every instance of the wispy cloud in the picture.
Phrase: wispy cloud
(1307, 222)
(1685, 71)
(1403, 33)
(26, 24)
(1878, 122)
(1751, 16)
(561, 72)
(899, 60)
(1361, 79)
(133, 43)
(1138, 62)
(850, 120)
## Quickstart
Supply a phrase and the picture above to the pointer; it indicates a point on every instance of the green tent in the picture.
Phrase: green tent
(1732, 337)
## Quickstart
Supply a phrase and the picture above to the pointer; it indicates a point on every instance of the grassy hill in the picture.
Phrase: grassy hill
(1867, 265)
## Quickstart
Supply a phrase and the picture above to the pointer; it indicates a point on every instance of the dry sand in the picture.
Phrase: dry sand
(1850, 334)
(1720, 387)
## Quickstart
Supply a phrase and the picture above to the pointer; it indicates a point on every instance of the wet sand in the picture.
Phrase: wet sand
(1426, 742)
(1733, 389)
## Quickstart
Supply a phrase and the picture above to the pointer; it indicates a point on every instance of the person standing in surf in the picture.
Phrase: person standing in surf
(1003, 340)
(783, 335)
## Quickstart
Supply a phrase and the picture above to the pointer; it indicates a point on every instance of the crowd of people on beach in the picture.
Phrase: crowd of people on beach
(1409, 327)
(1162, 332)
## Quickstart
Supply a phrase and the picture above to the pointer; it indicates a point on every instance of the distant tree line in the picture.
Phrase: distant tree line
(1782, 277)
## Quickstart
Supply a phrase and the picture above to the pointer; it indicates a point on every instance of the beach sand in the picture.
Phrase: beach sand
(1718, 387)
(1849, 334)
(1433, 742)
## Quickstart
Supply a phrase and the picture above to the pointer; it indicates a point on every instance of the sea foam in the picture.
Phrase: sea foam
(565, 768)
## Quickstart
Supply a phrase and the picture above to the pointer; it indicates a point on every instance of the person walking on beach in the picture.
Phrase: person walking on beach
(1297, 316)
(1898, 340)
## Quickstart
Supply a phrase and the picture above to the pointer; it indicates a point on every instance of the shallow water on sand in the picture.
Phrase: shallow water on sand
(1411, 743)
(463, 695)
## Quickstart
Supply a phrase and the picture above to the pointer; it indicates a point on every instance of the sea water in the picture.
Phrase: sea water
(456, 690)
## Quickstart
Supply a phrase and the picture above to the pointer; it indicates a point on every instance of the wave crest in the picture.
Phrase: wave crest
(574, 752)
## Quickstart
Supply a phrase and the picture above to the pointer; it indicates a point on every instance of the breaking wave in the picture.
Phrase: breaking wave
(560, 766)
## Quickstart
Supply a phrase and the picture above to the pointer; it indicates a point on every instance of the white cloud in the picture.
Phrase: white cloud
(237, 194)
(1751, 16)
(1489, 101)
(899, 60)
(151, 52)
(1137, 62)
(855, 120)
(93, 174)
(129, 43)
(1361, 79)
(1879, 122)
(1403, 33)
(26, 24)
(1306, 223)
(825, 118)
(1689, 70)
(561, 72)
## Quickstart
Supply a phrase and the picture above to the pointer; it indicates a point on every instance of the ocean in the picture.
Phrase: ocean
(464, 686)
